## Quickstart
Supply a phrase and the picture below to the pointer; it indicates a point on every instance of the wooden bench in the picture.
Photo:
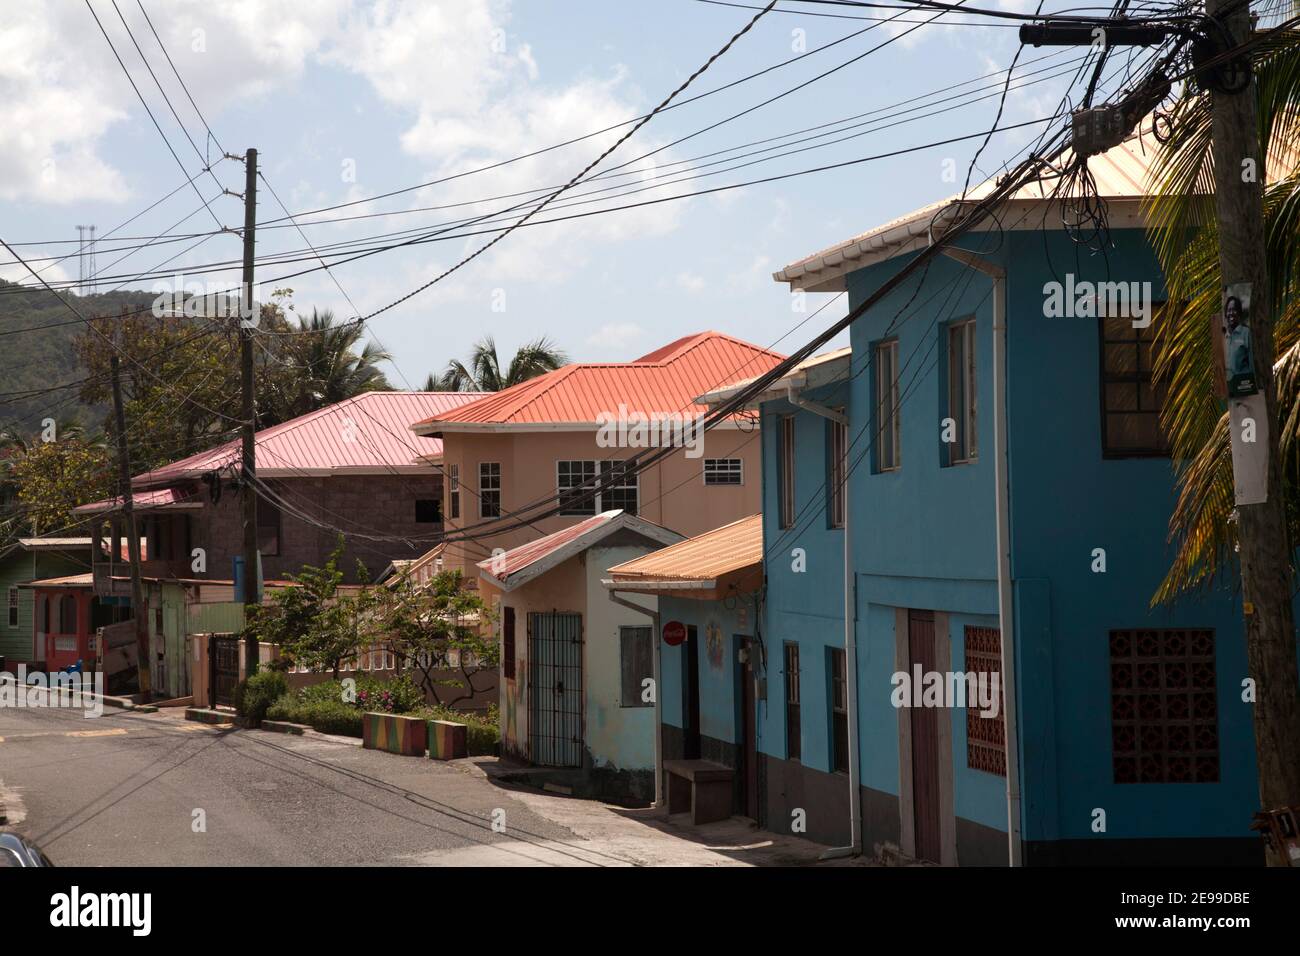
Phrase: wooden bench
(700, 786)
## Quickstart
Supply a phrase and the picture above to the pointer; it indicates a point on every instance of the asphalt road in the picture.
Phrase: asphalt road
(123, 790)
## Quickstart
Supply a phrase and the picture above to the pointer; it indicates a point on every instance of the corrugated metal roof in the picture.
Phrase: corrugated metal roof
(38, 544)
(528, 560)
(733, 547)
(1122, 175)
(142, 500)
(666, 381)
(67, 581)
(366, 434)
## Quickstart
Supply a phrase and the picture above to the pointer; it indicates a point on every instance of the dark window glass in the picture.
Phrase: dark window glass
(793, 730)
(508, 643)
(1130, 396)
(268, 527)
(428, 510)
(839, 712)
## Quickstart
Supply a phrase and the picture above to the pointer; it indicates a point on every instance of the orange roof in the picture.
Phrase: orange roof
(664, 382)
(723, 560)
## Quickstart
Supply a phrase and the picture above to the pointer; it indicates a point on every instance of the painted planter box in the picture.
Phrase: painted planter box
(447, 740)
(394, 733)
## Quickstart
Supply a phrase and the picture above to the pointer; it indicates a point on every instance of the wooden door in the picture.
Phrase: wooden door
(691, 694)
(925, 742)
(748, 735)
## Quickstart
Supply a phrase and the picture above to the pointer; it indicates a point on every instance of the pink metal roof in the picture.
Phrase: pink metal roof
(666, 381)
(510, 567)
(368, 433)
(140, 500)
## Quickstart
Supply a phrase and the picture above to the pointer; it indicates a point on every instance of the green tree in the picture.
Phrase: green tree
(311, 622)
(1181, 210)
(483, 374)
(313, 361)
(435, 626)
(54, 477)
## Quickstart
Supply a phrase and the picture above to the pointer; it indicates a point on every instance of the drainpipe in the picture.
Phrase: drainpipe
(658, 735)
(850, 646)
(1002, 509)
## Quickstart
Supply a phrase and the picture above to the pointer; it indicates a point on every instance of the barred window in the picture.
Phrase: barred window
(986, 737)
(1163, 706)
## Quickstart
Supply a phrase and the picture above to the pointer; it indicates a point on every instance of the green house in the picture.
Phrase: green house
(33, 559)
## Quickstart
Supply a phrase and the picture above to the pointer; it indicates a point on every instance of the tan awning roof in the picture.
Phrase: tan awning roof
(711, 565)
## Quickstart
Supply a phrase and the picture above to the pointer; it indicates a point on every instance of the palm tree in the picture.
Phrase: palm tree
(484, 371)
(1184, 233)
(319, 365)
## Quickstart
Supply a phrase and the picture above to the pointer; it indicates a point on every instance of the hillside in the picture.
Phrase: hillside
(44, 357)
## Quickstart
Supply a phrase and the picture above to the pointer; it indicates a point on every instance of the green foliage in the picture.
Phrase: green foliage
(397, 696)
(430, 624)
(253, 697)
(484, 371)
(51, 478)
(327, 716)
(312, 623)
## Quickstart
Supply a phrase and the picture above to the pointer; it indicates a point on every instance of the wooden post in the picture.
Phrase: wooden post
(144, 654)
(1266, 579)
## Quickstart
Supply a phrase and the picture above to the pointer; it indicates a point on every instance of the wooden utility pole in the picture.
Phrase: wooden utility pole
(252, 591)
(143, 652)
(1239, 173)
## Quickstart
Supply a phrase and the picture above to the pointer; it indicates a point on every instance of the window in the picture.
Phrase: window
(268, 527)
(13, 607)
(508, 643)
(793, 731)
(576, 483)
(1131, 399)
(638, 664)
(785, 476)
(489, 489)
(723, 471)
(961, 392)
(428, 510)
(888, 451)
(453, 490)
(837, 449)
(67, 614)
(1164, 720)
(839, 711)
(986, 737)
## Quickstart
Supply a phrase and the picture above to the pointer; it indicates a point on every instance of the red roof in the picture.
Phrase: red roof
(140, 501)
(366, 434)
(528, 560)
(666, 381)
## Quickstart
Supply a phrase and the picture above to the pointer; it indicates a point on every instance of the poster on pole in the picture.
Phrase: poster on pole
(1247, 412)
(1238, 353)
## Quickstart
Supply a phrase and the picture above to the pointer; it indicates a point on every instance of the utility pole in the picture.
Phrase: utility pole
(1239, 168)
(144, 654)
(252, 589)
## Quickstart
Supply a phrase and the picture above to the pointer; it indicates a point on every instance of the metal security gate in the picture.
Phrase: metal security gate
(223, 651)
(555, 689)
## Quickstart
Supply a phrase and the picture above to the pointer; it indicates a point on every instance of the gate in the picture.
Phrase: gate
(555, 689)
(223, 654)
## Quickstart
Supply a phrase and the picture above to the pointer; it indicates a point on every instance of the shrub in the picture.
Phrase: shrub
(253, 697)
(327, 716)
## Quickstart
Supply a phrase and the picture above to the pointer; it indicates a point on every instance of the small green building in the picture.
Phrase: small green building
(33, 559)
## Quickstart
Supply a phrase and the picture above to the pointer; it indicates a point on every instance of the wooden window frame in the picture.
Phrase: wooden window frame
(793, 703)
(887, 409)
(1137, 378)
(786, 471)
(963, 392)
(837, 453)
(14, 605)
(638, 632)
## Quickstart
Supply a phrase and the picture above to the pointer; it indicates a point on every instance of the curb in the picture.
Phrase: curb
(284, 727)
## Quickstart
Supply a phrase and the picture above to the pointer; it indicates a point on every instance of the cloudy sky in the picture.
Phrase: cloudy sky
(348, 100)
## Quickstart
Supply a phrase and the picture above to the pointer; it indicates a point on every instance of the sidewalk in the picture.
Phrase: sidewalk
(650, 837)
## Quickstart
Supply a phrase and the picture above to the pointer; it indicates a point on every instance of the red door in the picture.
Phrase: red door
(925, 742)
(65, 618)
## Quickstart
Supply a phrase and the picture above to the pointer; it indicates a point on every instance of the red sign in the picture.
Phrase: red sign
(674, 633)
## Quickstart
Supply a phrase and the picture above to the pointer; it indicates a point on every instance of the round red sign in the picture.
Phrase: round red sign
(674, 633)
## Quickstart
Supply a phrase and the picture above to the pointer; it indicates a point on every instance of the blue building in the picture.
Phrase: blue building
(1039, 510)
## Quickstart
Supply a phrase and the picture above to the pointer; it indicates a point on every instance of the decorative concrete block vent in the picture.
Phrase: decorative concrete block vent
(394, 733)
(447, 740)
